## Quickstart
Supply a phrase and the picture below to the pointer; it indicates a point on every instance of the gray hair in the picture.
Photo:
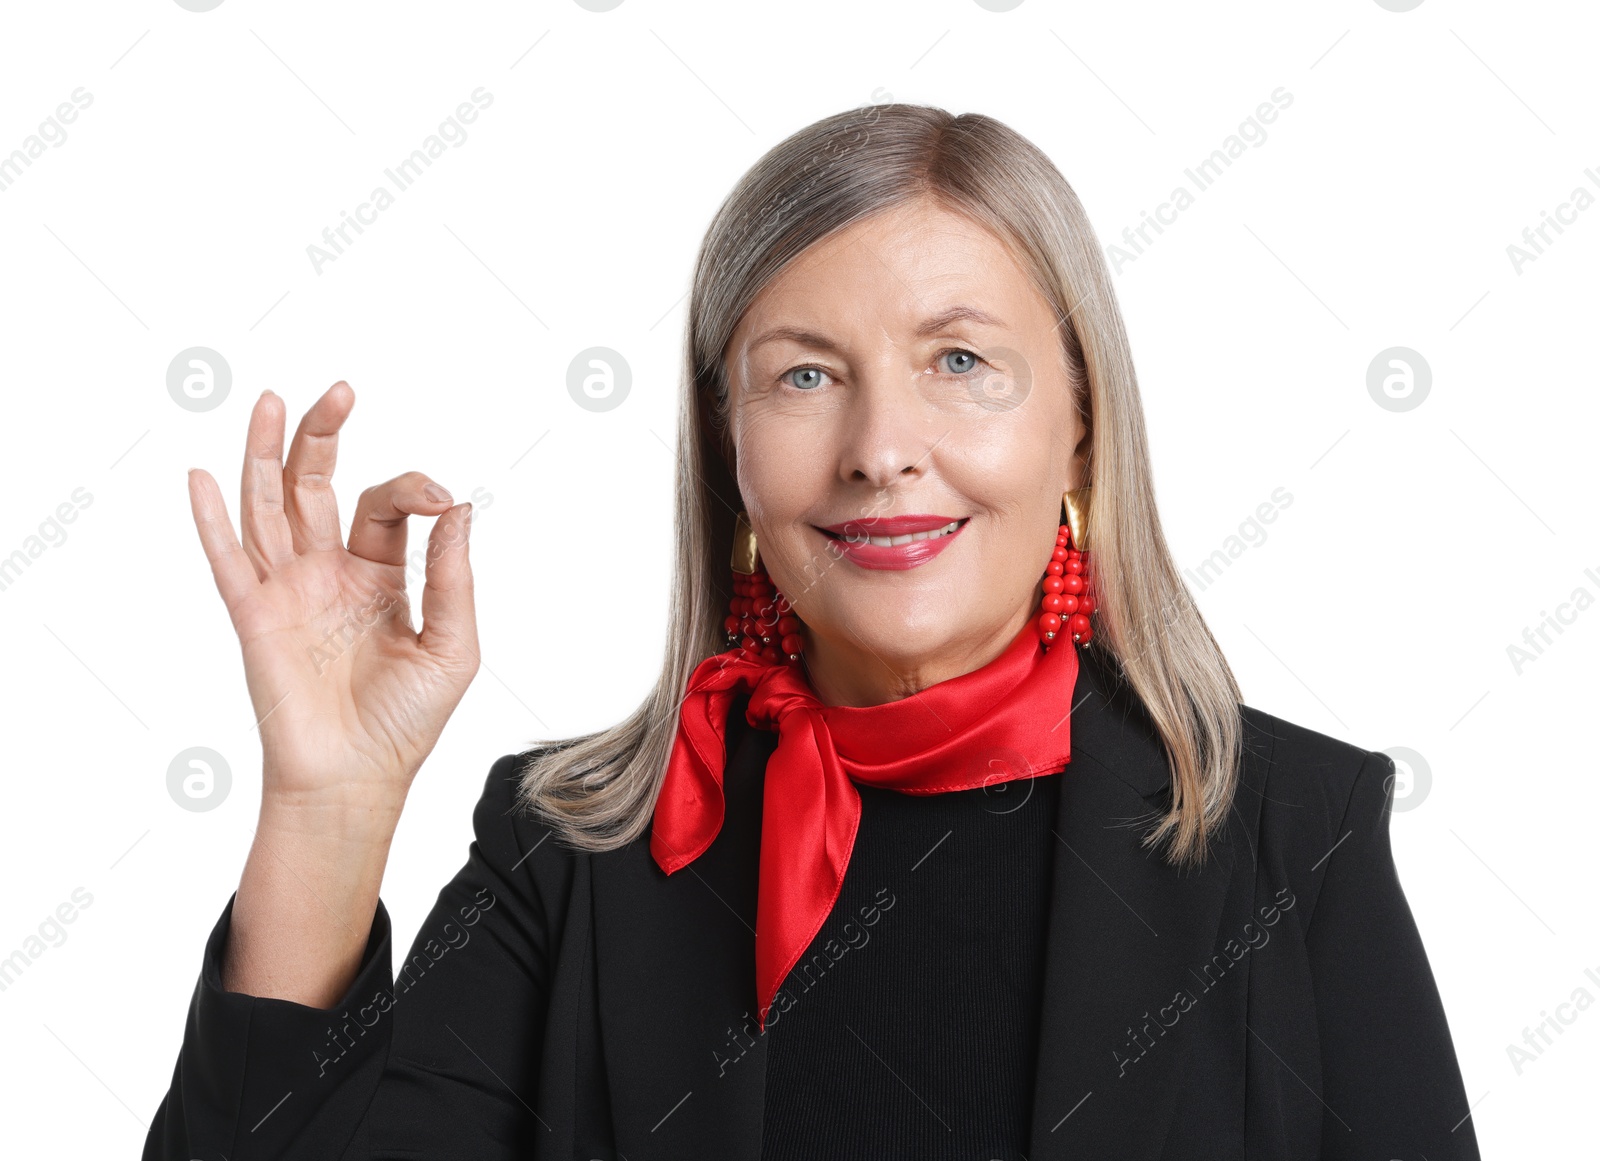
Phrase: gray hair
(599, 790)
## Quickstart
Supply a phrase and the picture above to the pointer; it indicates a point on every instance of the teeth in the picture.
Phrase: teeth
(906, 538)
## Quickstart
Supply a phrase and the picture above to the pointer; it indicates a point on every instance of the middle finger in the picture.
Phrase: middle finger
(309, 502)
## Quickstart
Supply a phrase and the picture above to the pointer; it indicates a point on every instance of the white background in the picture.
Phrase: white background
(1418, 545)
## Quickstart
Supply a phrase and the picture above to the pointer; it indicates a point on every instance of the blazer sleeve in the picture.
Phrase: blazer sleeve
(438, 1059)
(1391, 1085)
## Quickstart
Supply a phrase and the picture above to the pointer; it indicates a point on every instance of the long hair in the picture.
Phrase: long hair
(598, 791)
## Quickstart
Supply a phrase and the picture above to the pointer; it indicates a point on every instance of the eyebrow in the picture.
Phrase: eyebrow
(929, 326)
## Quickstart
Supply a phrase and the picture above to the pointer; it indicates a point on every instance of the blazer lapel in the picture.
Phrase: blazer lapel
(676, 981)
(1126, 931)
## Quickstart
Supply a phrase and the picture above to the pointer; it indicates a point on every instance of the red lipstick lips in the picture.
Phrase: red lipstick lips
(894, 542)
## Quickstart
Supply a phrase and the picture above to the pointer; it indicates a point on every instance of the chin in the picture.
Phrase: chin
(898, 631)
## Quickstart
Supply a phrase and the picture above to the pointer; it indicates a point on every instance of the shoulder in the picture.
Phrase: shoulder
(1315, 770)
(1323, 801)
(510, 836)
(1296, 751)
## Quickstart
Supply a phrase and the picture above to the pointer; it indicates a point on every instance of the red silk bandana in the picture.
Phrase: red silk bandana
(1004, 721)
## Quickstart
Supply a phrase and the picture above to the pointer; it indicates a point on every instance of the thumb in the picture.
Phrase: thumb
(449, 617)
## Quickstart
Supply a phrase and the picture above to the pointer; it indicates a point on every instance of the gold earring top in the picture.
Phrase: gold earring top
(744, 546)
(1076, 502)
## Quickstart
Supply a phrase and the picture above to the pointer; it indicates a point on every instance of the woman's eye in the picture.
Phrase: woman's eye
(960, 362)
(805, 378)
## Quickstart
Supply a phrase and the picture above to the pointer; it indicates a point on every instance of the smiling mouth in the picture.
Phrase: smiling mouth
(856, 535)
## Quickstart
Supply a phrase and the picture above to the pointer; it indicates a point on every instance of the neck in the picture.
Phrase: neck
(845, 671)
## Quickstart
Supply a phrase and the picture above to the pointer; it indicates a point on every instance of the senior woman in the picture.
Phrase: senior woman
(944, 833)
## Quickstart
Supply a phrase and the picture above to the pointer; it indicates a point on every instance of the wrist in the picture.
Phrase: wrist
(337, 816)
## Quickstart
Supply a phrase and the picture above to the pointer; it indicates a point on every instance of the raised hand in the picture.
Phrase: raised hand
(349, 698)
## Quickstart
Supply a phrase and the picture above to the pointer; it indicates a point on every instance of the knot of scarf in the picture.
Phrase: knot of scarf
(1003, 721)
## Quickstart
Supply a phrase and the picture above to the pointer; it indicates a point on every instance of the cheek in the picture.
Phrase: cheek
(1002, 460)
(778, 493)
(783, 466)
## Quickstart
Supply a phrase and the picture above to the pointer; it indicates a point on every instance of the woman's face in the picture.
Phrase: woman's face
(903, 377)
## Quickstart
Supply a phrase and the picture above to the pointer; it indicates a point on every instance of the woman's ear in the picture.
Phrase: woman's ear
(1079, 469)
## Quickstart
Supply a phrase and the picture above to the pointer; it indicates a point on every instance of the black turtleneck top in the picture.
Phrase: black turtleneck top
(910, 1026)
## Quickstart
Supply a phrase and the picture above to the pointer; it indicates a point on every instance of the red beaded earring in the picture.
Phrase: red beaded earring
(1067, 601)
(760, 621)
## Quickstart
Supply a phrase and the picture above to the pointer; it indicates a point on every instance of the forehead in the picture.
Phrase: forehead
(894, 271)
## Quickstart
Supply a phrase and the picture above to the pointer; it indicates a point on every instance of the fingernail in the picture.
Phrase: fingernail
(435, 493)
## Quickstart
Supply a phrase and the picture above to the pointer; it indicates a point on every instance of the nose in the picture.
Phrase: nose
(887, 434)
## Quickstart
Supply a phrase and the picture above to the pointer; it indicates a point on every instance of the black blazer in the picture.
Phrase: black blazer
(1276, 1004)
